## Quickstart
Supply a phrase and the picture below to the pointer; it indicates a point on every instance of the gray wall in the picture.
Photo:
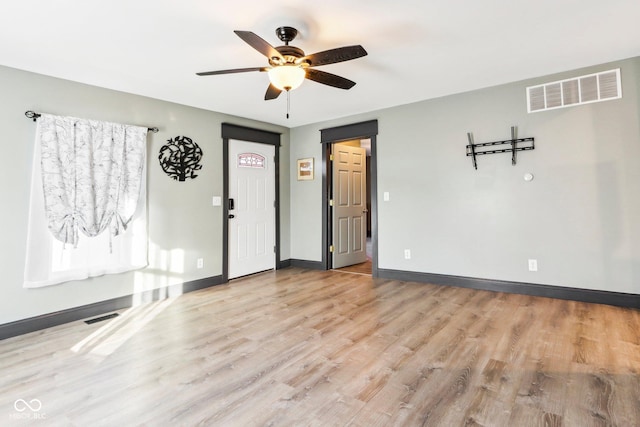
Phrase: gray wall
(183, 225)
(579, 217)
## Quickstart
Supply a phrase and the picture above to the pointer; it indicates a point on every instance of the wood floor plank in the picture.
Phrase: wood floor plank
(315, 348)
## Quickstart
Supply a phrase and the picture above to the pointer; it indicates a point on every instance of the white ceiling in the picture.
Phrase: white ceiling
(417, 49)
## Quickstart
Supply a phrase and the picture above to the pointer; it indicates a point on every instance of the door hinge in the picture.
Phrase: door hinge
(330, 202)
(331, 157)
(274, 249)
(331, 248)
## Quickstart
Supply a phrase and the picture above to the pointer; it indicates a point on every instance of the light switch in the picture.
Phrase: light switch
(385, 196)
(216, 201)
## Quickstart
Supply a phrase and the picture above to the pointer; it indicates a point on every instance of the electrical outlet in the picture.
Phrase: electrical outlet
(533, 265)
(200, 263)
(407, 254)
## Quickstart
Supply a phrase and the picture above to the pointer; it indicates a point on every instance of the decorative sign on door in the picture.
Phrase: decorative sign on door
(180, 158)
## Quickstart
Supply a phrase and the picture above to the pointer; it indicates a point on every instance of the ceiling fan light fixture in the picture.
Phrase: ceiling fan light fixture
(287, 77)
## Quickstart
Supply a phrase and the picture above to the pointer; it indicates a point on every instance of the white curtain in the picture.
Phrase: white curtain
(88, 200)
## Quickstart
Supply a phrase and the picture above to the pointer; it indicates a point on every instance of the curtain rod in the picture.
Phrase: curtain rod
(33, 115)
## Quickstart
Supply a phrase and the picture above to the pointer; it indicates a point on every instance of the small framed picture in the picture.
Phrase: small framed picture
(305, 169)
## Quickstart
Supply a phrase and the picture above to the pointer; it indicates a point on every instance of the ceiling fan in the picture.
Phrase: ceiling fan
(289, 65)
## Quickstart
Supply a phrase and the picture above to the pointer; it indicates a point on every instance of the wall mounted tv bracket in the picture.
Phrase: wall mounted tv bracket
(515, 144)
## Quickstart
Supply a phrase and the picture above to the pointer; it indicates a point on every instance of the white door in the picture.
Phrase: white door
(349, 205)
(251, 208)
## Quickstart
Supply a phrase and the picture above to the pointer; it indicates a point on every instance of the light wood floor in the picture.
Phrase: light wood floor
(362, 268)
(314, 348)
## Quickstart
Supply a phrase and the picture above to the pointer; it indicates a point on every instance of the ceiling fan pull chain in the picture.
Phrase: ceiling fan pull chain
(288, 102)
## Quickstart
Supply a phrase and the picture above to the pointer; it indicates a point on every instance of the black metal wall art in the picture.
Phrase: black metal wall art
(180, 158)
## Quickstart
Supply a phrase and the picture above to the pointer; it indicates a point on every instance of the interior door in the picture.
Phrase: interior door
(349, 205)
(251, 207)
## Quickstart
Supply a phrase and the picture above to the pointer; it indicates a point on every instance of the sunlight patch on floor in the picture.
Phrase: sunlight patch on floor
(111, 336)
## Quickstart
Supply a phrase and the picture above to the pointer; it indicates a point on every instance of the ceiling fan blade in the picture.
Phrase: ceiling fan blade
(232, 71)
(329, 79)
(332, 56)
(259, 44)
(272, 92)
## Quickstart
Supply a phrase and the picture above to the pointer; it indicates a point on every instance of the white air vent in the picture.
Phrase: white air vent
(579, 90)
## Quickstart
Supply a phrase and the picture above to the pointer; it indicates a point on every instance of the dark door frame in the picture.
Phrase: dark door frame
(362, 130)
(231, 131)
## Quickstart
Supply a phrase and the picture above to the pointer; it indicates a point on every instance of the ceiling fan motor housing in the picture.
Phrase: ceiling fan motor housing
(289, 53)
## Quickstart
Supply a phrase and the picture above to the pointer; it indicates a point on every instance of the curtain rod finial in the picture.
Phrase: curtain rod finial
(32, 115)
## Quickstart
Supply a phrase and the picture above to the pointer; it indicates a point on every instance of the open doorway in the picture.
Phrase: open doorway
(364, 135)
(350, 206)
